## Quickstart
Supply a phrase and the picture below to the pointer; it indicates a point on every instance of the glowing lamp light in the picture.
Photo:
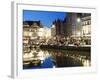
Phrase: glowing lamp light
(78, 19)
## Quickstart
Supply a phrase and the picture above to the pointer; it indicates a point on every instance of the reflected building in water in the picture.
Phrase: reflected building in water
(74, 25)
(55, 58)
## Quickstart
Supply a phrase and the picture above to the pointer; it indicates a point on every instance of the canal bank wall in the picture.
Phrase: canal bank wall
(71, 48)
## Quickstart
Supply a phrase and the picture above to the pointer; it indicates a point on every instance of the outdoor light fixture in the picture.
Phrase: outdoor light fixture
(78, 20)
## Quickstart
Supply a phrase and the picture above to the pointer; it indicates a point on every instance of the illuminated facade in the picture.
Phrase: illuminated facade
(44, 33)
(30, 28)
(86, 25)
(30, 35)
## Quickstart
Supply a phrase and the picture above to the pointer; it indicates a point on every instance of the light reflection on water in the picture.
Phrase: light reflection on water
(83, 59)
(56, 58)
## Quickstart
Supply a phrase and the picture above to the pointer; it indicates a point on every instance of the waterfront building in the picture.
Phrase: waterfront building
(44, 33)
(30, 34)
(70, 26)
(86, 25)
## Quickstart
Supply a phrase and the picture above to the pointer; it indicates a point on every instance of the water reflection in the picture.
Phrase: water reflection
(38, 58)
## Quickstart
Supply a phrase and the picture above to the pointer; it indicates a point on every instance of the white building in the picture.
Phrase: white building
(86, 25)
(44, 33)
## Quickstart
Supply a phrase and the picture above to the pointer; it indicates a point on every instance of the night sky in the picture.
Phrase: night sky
(46, 17)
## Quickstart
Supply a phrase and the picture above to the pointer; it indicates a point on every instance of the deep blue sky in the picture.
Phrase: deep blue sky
(46, 17)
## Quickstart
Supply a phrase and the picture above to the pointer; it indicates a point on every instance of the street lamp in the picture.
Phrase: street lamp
(78, 20)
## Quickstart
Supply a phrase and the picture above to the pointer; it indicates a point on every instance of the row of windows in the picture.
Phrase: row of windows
(86, 23)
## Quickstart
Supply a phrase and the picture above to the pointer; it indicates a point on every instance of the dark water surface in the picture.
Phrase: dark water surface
(39, 58)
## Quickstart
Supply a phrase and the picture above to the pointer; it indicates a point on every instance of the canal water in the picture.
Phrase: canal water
(51, 58)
